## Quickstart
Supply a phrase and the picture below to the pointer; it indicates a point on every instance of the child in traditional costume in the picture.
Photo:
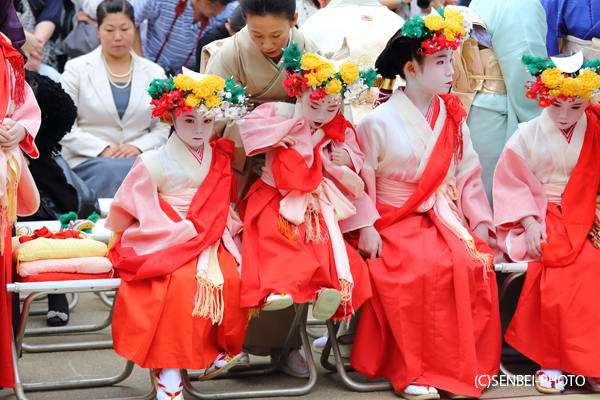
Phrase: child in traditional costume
(433, 321)
(293, 247)
(178, 305)
(547, 213)
(20, 119)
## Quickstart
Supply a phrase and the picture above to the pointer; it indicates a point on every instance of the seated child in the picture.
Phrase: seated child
(178, 305)
(20, 119)
(293, 247)
(546, 205)
(433, 321)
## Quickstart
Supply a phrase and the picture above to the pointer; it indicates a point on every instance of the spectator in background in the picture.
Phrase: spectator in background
(305, 9)
(573, 25)
(222, 31)
(171, 38)
(41, 22)
(108, 86)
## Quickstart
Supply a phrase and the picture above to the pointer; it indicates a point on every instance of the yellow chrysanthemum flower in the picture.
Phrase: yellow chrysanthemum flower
(552, 78)
(449, 35)
(452, 15)
(334, 87)
(455, 27)
(184, 82)
(214, 83)
(590, 82)
(212, 101)
(349, 72)
(192, 101)
(434, 22)
(311, 61)
(202, 90)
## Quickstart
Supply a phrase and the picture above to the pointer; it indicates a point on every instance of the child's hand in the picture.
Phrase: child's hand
(534, 236)
(286, 142)
(341, 157)
(370, 243)
(482, 232)
(11, 134)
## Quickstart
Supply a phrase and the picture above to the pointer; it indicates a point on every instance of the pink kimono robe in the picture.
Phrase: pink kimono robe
(292, 238)
(183, 317)
(541, 174)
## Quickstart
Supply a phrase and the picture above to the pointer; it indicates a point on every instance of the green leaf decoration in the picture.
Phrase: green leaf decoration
(158, 87)
(415, 28)
(369, 77)
(536, 65)
(291, 57)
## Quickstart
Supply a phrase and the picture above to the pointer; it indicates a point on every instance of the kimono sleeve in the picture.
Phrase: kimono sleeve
(517, 194)
(136, 212)
(473, 203)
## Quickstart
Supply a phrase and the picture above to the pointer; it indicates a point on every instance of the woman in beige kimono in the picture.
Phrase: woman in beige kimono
(253, 58)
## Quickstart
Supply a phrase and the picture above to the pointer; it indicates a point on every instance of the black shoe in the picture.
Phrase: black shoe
(58, 310)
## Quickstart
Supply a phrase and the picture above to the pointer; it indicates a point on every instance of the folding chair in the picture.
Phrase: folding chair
(38, 289)
(298, 325)
(514, 269)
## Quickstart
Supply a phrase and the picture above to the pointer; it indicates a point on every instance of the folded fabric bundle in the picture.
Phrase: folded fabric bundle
(81, 265)
(67, 251)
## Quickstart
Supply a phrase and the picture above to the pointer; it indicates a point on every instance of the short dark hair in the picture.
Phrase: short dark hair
(262, 8)
(237, 20)
(221, 2)
(399, 50)
(114, 7)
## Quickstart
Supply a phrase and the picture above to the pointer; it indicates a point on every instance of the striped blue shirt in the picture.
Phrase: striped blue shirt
(160, 15)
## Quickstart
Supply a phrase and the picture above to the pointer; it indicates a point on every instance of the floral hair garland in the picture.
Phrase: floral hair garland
(308, 70)
(442, 29)
(217, 97)
(552, 83)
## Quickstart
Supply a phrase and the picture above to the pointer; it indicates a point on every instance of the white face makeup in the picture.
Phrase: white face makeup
(566, 113)
(194, 129)
(319, 112)
(435, 74)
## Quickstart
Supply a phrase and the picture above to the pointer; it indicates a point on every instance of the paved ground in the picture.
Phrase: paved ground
(48, 367)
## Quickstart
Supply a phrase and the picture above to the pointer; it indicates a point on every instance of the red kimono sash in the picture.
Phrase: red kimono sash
(208, 212)
(579, 199)
(290, 171)
(15, 59)
(448, 145)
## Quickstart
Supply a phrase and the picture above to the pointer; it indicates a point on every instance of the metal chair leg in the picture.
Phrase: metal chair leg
(342, 368)
(312, 370)
(93, 345)
(510, 279)
(83, 383)
(19, 392)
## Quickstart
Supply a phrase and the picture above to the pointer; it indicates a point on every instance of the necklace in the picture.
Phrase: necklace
(129, 73)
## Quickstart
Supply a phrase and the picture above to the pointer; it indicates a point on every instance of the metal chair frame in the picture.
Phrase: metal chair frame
(39, 289)
(514, 269)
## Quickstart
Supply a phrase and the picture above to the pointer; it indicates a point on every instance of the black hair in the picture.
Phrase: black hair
(58, 111)
(316, 4)
(114, 7)
(221, 2)
(399, 50)
(262, 8)
(237, 20)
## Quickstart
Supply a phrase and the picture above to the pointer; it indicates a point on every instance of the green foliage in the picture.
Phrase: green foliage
(369, 77)
(536, 65)
(415, 28)
(235, 90)
(158, 87)
(291, 57)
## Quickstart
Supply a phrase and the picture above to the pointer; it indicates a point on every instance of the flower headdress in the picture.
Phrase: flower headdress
(217, 97)
(308, 70)
(562, 77)
(442, 29)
